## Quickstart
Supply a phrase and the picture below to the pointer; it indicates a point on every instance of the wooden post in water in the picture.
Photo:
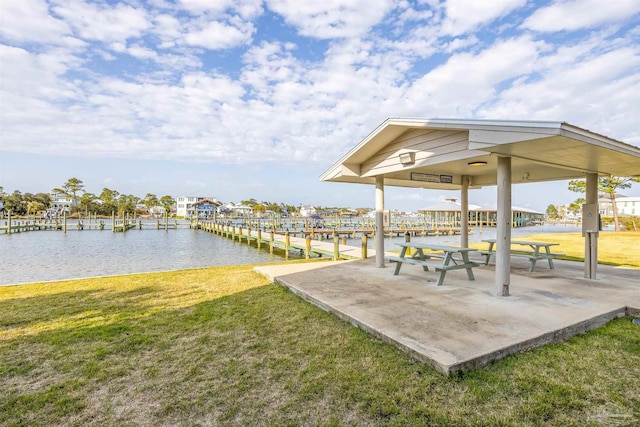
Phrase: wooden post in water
(9, 222)
(259, 241)
(364, 245)
(249, 236)
(407, 239)
(240, 234)
(64, 222)
(166, 220)
(287, 240)
(113, 221)
(271, 242)
(307, 247)
(336, 246)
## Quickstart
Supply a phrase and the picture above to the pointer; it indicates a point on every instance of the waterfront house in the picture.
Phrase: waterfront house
(184, 205)
(307, 211)
(205, 209)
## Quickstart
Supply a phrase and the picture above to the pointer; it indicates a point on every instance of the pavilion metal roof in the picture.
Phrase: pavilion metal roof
(436, 153)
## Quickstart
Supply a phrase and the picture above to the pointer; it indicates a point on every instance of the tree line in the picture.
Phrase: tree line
(105, 203)
(608, 186)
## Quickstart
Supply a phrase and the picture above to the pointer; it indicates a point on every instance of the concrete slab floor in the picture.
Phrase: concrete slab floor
(462, 325)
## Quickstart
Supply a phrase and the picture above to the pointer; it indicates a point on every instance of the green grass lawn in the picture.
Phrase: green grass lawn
(621, 249)
(222, 346)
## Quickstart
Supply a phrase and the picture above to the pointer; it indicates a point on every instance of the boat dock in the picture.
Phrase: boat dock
(288, 241)
(63, 224)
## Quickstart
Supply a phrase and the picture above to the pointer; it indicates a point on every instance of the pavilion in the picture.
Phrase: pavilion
(466, 154)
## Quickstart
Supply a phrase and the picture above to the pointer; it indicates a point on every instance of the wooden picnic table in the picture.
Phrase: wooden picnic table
(441, 261)
(534, 255)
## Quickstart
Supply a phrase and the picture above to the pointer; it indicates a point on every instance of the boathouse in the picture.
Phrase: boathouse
(459, 154)
(449, 214)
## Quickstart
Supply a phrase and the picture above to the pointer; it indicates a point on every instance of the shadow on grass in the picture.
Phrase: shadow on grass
(265, 357)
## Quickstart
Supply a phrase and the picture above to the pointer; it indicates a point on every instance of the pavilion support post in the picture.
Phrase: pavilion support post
(464, 212)
(591, 238)
(379, 221)
(503, 225)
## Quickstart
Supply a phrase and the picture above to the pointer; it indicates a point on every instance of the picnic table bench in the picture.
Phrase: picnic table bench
(440, 261)
(534, 254)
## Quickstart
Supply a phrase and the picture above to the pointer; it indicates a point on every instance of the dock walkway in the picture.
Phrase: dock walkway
(287, 242)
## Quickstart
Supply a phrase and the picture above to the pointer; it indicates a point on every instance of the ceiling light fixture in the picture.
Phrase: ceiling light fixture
(477, 163)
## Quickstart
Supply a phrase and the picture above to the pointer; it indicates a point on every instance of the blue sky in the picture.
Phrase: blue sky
(242, 99)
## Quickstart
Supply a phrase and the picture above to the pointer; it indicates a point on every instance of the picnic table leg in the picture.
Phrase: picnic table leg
(422, 257)
(549, 257)
(488, 256)
(403, 251)
(536, 251)
(443, 272)
(465, 259)
(441, 277)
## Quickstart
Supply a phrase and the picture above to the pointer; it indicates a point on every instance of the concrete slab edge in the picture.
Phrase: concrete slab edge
(539, 341)
(364, 326)
(477, 362)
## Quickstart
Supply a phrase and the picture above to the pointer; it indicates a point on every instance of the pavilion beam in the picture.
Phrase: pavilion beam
(503, 228)
(380, 221)
(591, 238)
(464, 212)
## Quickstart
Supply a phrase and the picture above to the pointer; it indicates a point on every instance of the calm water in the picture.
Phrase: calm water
(53, 255)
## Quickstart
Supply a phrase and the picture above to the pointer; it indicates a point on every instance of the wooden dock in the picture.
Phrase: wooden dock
(115, 224)
(289, 241)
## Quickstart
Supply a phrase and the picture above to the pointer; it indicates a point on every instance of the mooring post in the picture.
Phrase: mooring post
(113, 221)
(9, 222)
(286, 244)
(307, 246)
(64, 219)
(240, 234)
(364, 245)
(407, 239)
(259, 241)
(271, 242)
(336, 246)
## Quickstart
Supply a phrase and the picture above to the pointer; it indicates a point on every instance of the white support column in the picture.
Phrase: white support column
(503, 228)
(464, 212)
(591, 238)
(379, 221)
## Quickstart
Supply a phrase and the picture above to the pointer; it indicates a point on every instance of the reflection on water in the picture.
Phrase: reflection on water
(54, 255)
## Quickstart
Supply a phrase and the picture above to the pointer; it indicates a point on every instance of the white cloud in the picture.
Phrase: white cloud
(463, 16)
(101, 22)
(219, 35)
(331, 18)
(30, 21)
(458, 87)
(275, 102)
(593, 89)
(578, 14)
(247, 9)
